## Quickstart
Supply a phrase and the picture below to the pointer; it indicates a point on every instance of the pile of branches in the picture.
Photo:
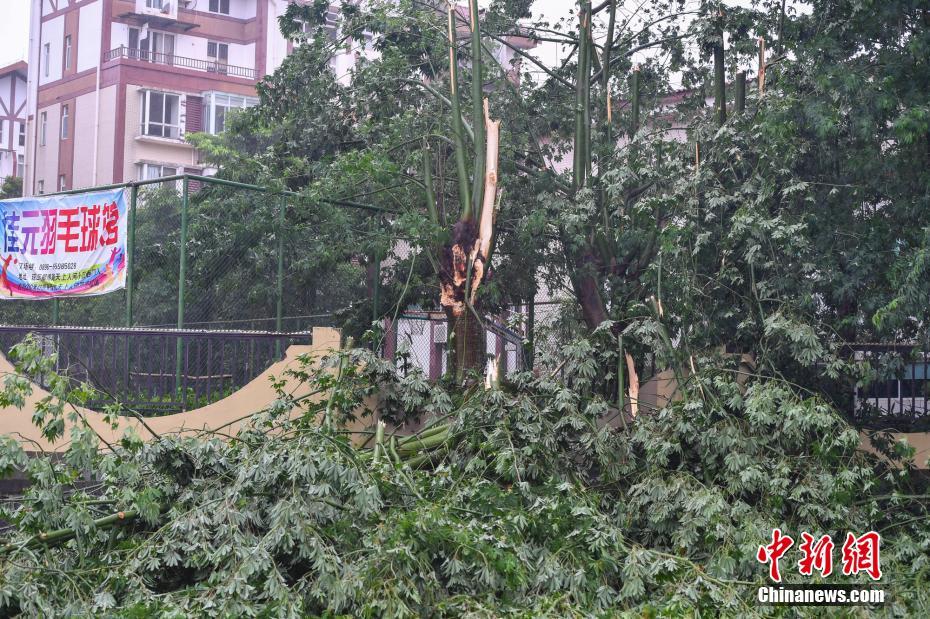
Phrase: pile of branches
(535, 498)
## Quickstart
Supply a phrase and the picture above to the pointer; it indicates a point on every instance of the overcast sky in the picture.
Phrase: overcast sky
(14, 27)
(14, 31)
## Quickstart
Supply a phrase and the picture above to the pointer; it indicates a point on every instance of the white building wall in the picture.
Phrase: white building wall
(47, 156)
(119, 35)
(83, 166)
(53, 36)
(90, 24)
(146, 149)
(241, 55)
(275, 44)
(48, 7)
(241, 9)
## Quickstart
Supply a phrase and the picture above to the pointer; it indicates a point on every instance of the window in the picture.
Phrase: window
(219, 6)
(43, 127)
(67, 52)
(217, 106)
(65, 113)
(153, 4)
(62, 183)
(330, 26)
(40, 187)
(150, 171)
(20, 163)
(22, 134)
(160, 116)
(219, 54)
(2, 132)
(151, 45)
(46, 57)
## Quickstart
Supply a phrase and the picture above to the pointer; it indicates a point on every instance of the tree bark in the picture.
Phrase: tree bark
(467, 345)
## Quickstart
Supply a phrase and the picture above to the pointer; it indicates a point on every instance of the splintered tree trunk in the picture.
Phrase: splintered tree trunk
(467, 345)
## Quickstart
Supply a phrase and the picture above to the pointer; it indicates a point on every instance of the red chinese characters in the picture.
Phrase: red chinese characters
(67, 230)
(773, 552)
(817, 555)
(90, 227)
(861, 554)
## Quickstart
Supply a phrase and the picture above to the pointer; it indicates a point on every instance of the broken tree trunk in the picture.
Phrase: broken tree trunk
(465, 262)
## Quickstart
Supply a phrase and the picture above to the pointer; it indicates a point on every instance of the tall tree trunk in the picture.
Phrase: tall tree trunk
(467, 345)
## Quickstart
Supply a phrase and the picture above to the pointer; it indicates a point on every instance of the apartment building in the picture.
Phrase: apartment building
(116, 85)
(12, 120)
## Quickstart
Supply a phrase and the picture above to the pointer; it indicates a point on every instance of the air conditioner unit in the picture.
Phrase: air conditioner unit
(440, 334)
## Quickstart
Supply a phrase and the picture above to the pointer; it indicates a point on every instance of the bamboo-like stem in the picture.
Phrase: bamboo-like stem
(580, 80)
(481, 253)
(477, 87)
(634, 385)
(605, 79)
(720, 93)
(634, 111)
(60, 536)
(589, 56)
(621, 403)
(428, 185)
(761, 67)
(781, 24)
(740, 94)
(457, 129)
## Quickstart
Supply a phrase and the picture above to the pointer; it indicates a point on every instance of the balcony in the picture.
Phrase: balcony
(172, 60)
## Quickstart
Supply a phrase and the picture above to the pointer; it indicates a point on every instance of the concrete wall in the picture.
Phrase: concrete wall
(46, 167)
(145, 149)
(52, 35)
(89, 41)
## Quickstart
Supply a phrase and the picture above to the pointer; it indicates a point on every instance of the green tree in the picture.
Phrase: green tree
(12, 188)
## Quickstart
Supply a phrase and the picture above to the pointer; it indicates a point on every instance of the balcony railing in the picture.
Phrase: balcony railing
(180, 61)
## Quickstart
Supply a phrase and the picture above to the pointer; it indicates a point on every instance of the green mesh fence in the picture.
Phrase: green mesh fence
(252, 260)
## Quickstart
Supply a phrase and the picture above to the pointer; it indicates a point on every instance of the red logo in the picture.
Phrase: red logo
(773, 552)
(817, 555)
(860, 554)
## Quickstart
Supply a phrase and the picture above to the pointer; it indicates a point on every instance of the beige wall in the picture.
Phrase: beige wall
(83, 174)
(142, 149)
(47, 156)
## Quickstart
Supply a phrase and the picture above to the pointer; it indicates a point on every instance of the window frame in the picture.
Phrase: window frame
(62, 182)
(40, 187)
(68, 49)
(65, 121)
(47, 57)
(145, 168)
(22, 134)
(43, 128)
(212, 101)
(219, 7)
(164, 124)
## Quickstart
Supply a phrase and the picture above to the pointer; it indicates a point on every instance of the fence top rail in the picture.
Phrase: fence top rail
(151, 331)
(222, 182)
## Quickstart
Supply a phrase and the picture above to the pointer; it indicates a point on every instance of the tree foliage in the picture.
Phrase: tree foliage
(522, 501)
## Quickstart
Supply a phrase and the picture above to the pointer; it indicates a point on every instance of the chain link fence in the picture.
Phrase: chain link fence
(522, 337)
(209, 254)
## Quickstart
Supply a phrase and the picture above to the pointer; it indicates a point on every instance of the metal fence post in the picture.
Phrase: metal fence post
(529, 350)
(182, 276)
(130, 251)
(279, 290)
(55, 312)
